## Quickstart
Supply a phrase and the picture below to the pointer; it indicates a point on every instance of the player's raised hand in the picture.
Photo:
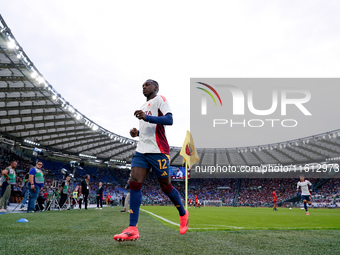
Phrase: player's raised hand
(139, 114)
(134, 132)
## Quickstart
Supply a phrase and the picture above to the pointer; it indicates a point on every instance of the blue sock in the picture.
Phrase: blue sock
(305, 204)
(135, 201)
(175, 198)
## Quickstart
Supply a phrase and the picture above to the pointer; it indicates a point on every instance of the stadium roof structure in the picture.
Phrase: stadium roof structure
(314, 149)
(34, 114)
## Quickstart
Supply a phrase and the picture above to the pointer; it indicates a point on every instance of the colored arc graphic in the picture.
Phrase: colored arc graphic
(210, 93)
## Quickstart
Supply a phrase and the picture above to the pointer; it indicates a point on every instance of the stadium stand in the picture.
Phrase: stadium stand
(252, 192)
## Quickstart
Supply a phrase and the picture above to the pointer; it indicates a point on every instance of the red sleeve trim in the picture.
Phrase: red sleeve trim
(161, 140)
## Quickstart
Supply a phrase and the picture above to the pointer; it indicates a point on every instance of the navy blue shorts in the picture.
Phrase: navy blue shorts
(308, 198)
(159, 163)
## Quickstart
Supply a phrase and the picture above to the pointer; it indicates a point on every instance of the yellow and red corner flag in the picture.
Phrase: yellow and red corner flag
(188, 151)
(190, 157)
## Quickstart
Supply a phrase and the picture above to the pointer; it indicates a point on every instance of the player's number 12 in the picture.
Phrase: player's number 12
(160, 164)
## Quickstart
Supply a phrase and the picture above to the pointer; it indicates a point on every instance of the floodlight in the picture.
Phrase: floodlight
(78, 116)
(71, 109)
(40, 79)
(11, 44)
(34, 74)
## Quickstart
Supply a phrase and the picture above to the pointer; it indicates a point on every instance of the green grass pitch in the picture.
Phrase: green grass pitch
(214, 230)
(235, 218)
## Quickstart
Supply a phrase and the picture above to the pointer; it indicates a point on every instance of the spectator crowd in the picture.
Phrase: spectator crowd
(247, 192)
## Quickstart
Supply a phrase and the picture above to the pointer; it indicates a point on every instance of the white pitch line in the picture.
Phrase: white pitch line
(225, 226)
(176, 224)
(203, 228)
(160, 217)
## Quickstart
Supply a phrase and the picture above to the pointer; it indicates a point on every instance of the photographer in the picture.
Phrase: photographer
(127, 198)
(64, 189)
(24, 192)
(36, 182)
(8, 179)
(40, 201)
(84, 190)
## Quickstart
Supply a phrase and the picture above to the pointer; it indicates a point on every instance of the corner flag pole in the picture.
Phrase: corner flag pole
(186, 185)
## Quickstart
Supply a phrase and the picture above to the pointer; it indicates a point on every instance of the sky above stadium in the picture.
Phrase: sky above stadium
(97, 54)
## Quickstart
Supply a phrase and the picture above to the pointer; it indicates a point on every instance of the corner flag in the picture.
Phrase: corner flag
(188, 151)
(190, 156)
